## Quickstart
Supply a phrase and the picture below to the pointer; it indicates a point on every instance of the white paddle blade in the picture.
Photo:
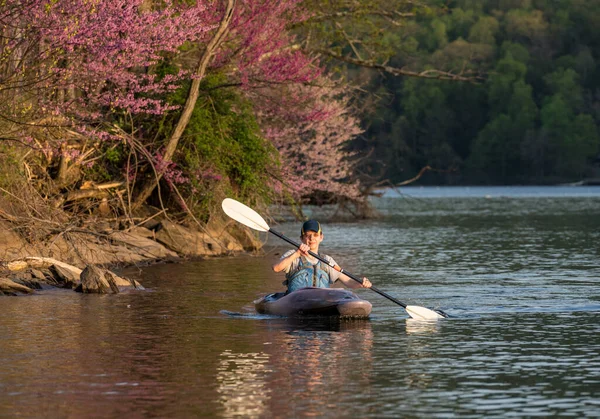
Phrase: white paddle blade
(243, 214)
(422, 313)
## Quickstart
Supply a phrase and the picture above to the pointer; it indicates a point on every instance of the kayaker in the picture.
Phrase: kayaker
(302, 270)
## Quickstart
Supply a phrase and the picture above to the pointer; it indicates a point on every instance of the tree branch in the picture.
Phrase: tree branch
(389, 16)
(426, 74)
(190, 103)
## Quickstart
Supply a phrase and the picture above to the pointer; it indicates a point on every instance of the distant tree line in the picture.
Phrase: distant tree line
(530, 115)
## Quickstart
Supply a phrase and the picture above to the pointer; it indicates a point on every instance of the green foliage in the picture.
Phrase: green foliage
(113, 155)
(369, 30)
(460, 22)
(565, 83)
(222, 150)
(572, 139)
(516, 51)
(526, 26)
(484, 31)
(493, 151)
(535, 118)
(439, 38)
(501, 83)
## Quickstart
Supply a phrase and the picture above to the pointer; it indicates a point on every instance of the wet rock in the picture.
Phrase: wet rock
(96, 281)
(159, 239)
(38, 262)
(34, 272)
(27, 279)
(9, 287)
(66, 278)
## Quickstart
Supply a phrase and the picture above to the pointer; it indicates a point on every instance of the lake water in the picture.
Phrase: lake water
(518, 270)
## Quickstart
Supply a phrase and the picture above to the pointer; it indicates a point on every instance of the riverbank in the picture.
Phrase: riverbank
(60, 260)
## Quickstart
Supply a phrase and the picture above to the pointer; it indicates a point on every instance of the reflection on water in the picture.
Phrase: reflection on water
(304, 365)
(242, 383)
(414, 327)
(518, 276)
(319, 368)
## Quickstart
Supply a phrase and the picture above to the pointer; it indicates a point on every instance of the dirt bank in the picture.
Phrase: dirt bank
(60, 260)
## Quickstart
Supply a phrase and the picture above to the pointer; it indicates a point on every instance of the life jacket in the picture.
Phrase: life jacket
(307, 275)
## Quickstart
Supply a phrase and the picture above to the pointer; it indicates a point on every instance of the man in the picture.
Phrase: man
(302, 270)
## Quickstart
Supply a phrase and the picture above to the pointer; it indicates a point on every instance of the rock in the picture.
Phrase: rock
(246, 237)
(125, 282)
(218, 238)
(27, 279)
(142, 232)
(95, 252)
(152, 224)
(67, 278)
(38, 274)
(63, 250)
(17, 265)
(95, 281)
(32, 271)
(9, 287)
(233, 237)
(187, 242)
(40, 263)
(143, 244)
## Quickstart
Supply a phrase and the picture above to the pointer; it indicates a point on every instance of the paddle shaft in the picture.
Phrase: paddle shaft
(337, 268)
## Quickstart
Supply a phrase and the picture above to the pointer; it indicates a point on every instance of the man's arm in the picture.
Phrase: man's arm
(351, 283)
(286, 261)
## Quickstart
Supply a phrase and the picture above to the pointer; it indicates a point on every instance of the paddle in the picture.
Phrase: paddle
(252, 219)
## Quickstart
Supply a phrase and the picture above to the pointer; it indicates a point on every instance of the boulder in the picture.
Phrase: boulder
(38, 262)
(187, 242)
(38, 274)
(9, 287)
(27, 279)
(139, 240)
(124, 282)
(233, 236)
(66, 278)
(32, 271)
(96, 281)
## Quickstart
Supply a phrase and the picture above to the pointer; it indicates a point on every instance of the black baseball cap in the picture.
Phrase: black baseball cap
(311, 225)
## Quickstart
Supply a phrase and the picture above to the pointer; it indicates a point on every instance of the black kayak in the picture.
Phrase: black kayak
(314, 302)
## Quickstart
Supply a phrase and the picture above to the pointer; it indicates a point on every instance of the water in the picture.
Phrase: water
(517, 273)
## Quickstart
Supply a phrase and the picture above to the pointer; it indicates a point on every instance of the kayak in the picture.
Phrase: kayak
(314, 302)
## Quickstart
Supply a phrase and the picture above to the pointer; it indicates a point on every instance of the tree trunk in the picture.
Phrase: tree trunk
(190, 103)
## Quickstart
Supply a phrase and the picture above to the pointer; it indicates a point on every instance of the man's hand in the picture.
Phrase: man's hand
(304, 249)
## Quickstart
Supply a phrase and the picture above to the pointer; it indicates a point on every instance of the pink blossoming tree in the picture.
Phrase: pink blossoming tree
(86, 64)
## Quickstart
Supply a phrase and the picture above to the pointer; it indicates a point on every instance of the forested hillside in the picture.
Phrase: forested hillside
(530, 115)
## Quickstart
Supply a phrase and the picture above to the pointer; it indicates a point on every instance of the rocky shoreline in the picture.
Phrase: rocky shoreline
(81, 259)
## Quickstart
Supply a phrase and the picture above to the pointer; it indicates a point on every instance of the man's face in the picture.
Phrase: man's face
(312, 239)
